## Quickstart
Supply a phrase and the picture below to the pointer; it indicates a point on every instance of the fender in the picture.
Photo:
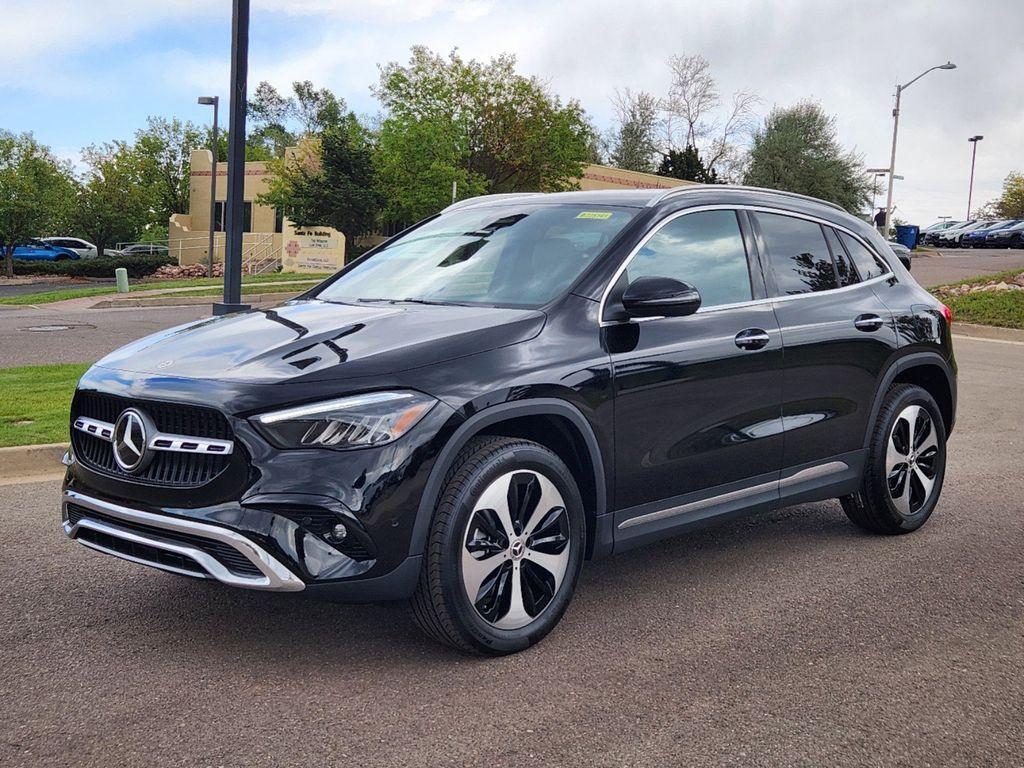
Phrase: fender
(900, 364)
(479, 421)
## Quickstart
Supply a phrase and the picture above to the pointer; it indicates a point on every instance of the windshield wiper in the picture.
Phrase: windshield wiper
(430, 302)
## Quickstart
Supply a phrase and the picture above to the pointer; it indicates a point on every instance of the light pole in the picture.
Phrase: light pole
(970, 188)
(895, 128)
(236, 160)
(213, 101)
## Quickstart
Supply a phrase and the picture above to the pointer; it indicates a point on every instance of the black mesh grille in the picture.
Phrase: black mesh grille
(167, 467)
(225, 554)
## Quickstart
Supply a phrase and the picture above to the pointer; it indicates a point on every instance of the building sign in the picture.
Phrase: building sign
(318, 249)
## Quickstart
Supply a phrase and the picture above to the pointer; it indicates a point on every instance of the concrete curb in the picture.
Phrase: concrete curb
(187, 301)
(31, 460)
(993, 332)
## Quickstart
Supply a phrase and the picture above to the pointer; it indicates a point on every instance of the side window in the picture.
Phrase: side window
(867, 264)
(844, 266)
(797, 253)
(703, 249)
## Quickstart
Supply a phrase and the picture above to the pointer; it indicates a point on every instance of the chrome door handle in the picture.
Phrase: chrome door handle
(752, 338)
(868, 323)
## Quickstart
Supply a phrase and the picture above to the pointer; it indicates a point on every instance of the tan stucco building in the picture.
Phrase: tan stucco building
(271, 240)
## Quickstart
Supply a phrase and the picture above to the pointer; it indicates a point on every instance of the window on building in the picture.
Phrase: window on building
(278, 220)
(797, 253)
(220, 217)
(867, 264)
(844, 266)
(703, 249)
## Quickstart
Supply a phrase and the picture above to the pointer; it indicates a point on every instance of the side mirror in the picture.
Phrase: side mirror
(660, 297)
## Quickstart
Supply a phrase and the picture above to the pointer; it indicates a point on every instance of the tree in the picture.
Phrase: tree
(686, 164)
(694, 101)
(278, 121)
(36, 192)
(115, 204)
(797, 150)
(1010, 204)
(164, 150)
(480, 125)
(633, 142)
(328, 181)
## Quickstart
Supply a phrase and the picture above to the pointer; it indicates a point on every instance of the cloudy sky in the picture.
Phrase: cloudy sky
(76, 72)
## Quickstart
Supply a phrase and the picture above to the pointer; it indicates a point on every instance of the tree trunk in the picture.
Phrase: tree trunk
(9, 261)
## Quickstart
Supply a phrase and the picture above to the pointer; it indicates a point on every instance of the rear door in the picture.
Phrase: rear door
(836, 333)
(697, 403)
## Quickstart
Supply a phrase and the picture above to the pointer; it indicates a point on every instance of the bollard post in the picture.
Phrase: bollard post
(122, 279)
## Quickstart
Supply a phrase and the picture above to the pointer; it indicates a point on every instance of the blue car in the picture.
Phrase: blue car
(976, 239)
(37, 250)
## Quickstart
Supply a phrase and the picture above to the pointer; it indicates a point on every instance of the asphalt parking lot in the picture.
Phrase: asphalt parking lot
(791, 639)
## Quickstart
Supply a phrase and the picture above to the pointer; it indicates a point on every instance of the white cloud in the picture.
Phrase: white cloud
(847, 57)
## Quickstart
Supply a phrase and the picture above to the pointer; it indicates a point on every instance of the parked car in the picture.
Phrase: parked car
(932, 238)
(976, 239)
(953, 237)
(903, 253)
(938, 226)
(38, 250)
(469, 411)
(83, 248)
(145, 249)
(1007, 237)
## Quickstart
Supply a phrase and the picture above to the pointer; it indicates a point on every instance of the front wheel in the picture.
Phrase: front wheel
(905, 466)
(504, 551)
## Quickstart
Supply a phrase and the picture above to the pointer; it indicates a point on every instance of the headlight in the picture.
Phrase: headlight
(360, 421)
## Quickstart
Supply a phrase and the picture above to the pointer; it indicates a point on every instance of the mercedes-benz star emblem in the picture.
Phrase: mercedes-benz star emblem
(130, 435)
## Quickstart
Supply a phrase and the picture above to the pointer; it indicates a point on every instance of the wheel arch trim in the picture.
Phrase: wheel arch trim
(478, 422)
(902, 365)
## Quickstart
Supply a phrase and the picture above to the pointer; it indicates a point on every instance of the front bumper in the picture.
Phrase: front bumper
(177, 545)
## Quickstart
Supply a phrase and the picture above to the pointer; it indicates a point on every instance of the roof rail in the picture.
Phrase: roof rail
(739, 187)
(486, 199)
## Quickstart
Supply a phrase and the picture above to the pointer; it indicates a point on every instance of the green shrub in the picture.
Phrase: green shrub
(141, 265)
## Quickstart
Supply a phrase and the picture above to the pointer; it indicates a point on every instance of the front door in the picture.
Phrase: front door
(697, 398)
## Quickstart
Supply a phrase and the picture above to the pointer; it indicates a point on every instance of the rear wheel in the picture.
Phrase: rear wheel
(905, 467)
(505, 548)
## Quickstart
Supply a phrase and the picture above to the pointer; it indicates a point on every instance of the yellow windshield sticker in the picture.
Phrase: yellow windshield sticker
(594, 215)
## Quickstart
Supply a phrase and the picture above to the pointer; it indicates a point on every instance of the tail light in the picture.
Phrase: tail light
(948, 314)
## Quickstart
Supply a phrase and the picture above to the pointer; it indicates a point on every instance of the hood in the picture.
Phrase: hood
(312, 339)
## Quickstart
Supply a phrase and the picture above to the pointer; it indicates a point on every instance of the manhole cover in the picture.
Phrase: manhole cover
(55, 327)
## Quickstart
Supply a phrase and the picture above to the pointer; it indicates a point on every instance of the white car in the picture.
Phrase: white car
(83, 248)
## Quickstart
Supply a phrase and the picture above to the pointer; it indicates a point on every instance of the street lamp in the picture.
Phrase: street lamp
(970, 188)
(214, 101)
(895, 127)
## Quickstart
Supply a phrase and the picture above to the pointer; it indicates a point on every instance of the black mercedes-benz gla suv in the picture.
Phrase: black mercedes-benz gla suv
(468, 412)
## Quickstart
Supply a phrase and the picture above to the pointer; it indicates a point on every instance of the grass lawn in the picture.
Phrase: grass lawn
(61, 294)
(36, 403)
(247, 289)
(1002, 308)
(997, 277)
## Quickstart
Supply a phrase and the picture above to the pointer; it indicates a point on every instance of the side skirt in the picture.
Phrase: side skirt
(645, 523)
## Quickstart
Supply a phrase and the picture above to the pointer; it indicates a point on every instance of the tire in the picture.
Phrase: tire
(895, 496)
(470, 526)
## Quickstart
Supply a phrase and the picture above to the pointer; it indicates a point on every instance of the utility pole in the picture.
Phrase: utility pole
(970, 188)
(236, 161)
(215, 102)
(895, 128)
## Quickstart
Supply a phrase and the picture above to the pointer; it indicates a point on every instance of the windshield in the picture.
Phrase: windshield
(513, 254)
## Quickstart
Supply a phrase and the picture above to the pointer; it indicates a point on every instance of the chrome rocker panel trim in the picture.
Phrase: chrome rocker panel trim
(276, 577)
(160, 441)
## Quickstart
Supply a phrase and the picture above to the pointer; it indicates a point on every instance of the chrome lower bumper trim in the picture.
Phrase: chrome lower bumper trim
(275, 576)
